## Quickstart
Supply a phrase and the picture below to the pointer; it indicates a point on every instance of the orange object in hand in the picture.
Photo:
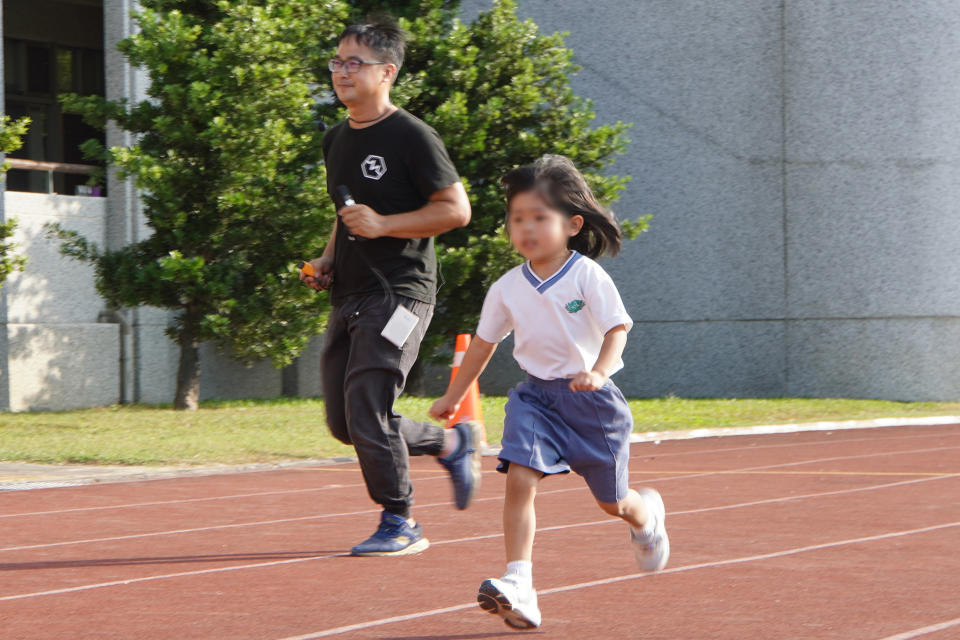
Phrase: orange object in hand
(307, 269)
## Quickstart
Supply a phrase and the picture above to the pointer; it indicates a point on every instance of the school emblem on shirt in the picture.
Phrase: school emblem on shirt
(574, 305)
(373, 167)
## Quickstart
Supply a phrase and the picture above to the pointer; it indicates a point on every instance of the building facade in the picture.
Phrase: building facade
(799, 158)
(60, 346)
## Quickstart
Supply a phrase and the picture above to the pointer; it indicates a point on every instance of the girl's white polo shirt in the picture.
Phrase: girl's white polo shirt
(558, 323)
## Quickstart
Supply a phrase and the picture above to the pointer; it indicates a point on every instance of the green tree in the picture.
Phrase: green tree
(227, 161)
(498, 93)
(11, 139)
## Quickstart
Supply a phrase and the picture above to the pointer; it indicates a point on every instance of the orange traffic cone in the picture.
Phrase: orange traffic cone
(470, 407)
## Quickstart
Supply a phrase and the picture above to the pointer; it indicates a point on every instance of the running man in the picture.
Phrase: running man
(395, 188)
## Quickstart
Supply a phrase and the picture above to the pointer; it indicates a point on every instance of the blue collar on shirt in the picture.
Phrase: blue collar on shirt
(542, 286)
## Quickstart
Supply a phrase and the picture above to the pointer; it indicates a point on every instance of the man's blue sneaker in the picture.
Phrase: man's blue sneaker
(394, 537)
(464, 463)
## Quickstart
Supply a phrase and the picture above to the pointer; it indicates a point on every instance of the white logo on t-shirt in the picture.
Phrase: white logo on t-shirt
(373, 167)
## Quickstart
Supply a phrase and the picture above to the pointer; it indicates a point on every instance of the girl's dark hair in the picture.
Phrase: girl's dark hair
(559, 183)
(382, 34)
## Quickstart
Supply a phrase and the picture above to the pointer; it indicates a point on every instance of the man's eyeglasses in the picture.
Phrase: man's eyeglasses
(353, 65)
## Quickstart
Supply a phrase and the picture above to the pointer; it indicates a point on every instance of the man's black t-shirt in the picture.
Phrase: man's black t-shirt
(393, 166)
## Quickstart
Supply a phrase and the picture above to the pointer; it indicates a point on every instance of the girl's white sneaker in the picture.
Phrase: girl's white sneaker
(652, 551)
(516, 605)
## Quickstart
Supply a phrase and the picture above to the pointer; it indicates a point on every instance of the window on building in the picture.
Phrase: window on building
(35, 73)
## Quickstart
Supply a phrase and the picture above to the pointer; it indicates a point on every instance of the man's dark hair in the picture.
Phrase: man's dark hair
(382, 35)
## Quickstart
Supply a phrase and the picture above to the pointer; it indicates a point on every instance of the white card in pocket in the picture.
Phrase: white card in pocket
(399, 326)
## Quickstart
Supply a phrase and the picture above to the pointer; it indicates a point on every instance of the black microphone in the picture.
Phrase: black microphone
(348, 201)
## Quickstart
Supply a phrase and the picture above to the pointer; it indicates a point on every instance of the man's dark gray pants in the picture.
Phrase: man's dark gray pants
(363, 374)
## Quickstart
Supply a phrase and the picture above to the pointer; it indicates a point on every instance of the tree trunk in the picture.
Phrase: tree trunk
(290, 380)
(188, 372)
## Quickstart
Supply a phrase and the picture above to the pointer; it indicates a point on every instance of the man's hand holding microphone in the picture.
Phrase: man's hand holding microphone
(360, 221)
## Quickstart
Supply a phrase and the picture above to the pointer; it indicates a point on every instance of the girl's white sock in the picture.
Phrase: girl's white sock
(519, 572)
(646, 531)
(650, 525)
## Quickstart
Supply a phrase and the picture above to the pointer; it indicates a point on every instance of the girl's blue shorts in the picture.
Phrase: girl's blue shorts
(552, 429)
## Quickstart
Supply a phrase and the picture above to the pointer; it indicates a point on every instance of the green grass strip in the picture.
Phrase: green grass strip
(249, 431)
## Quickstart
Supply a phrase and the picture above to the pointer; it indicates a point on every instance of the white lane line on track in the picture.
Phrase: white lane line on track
(180, 501)
(760, 447)
(441, 504)
(382, 621)
(100, 585)
(196, 529)
(922, 631)
(687, 512)
(796, 427)
(793, 464)
(356, 485)
(633, 576)
(455, 541)
(328, 487)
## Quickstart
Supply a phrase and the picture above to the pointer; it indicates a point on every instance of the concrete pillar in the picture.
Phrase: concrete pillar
(123, 224)
(4, 346)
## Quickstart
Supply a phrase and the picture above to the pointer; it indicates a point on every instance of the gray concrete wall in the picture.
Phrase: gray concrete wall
(59, 356)
(799, 158)
(59, 348)
(873, 195)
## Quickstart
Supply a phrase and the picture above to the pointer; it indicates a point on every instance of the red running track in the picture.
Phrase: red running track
(850, 535)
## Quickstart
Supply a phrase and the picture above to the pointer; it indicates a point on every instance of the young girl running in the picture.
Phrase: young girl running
(570, 328)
